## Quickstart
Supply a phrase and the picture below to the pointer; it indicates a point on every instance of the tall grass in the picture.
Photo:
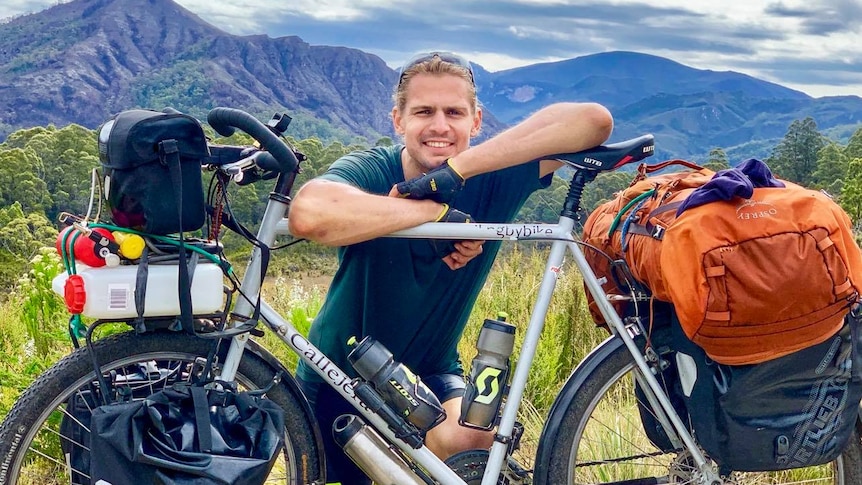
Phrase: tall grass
(568, 334)
(34, 326)
(34, 334)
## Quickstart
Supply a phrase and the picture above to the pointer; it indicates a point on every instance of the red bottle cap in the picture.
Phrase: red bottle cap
(74, 294)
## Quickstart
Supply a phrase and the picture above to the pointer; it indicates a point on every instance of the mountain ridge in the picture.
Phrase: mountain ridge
(82, 61)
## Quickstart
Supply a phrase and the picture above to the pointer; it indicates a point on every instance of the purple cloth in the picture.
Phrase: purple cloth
(739, 181)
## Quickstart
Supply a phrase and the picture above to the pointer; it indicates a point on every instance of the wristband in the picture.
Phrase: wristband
(442, 214)
(453, 169)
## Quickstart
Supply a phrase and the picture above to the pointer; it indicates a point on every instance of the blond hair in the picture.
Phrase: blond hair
(437, 67)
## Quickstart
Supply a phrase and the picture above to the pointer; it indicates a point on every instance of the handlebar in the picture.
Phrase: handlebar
(225, 120)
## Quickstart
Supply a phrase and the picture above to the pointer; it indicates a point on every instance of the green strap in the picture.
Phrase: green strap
(619, 216)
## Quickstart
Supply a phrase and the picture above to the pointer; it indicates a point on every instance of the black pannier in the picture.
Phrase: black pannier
(186, 434)
(794, 411)
(151, 163)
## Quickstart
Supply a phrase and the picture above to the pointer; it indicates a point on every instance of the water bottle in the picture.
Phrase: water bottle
(489, 374)
(400, 388)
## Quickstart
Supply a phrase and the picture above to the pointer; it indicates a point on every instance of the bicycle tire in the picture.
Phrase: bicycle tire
(600, 439)
(30, 435)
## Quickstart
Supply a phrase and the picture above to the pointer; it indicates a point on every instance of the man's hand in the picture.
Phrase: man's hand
(463, 252)
(440, 185)
(456, 254)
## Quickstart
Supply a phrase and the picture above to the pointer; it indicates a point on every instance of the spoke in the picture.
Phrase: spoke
(626, 458)
(624, 439)
(64, 410)
(62, 437)
(56, 461)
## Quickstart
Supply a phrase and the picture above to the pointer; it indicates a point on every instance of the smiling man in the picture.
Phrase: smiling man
(412, 295)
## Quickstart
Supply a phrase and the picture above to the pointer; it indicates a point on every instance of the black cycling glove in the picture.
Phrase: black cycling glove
(440, 185)
(445, 247)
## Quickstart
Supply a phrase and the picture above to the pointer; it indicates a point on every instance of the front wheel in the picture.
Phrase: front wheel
(43, 439)
(600, 439)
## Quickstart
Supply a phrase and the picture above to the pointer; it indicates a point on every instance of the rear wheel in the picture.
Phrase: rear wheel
(601, 440)
(44, 441)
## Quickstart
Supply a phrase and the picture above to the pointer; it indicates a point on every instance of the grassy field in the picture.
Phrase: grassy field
(34, 334)
(33, 326)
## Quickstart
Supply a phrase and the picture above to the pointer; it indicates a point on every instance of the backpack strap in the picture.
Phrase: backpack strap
(203, 429)
(854, 319)
(644, 170)
(649, 229)
(169, 155)
(141, 289)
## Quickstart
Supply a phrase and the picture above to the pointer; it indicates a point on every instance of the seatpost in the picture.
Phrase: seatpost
(576, 189)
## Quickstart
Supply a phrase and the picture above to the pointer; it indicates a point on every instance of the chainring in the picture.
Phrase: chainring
(470, 466)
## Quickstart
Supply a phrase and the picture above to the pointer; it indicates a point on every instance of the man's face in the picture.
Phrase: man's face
(437, 121)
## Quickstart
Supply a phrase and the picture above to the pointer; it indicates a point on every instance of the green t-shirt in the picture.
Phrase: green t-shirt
(398, 290)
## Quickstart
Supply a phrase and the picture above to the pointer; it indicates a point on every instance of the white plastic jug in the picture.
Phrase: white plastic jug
(110, 291)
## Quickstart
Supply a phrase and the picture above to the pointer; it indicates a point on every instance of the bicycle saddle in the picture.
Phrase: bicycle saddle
(608, 157)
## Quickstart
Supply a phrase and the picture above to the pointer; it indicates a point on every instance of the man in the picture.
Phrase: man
(404, 292)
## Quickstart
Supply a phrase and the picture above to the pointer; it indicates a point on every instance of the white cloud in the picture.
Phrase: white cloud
(811, 45)
(13, 8)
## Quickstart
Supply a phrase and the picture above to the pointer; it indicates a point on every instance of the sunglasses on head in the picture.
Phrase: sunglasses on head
(443, 56)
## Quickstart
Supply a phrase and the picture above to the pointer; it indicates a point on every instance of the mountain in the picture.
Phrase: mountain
(689, 110)
(82, 61)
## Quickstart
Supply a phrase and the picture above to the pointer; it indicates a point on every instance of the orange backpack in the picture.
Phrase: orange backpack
(755, 279)
(634, 217)
(751, 279)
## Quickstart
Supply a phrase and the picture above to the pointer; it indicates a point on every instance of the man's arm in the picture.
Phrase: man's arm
(557, 128)
(339, 214)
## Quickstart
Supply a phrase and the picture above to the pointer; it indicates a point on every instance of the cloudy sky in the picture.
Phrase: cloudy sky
(814, 46)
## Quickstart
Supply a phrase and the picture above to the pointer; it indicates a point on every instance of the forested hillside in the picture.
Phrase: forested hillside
(47, 170)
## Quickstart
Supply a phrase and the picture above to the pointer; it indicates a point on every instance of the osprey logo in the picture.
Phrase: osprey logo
(753, 209)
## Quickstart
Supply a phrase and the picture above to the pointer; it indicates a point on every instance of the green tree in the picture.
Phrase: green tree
(19, 138)
(22, 233)
(795, 157)
(854, 145)
(604, 188)
(851, 192)
(68, 156)
(545, 205)
(831, 168)
(21, 237)
(22, 180)
(384, 142)
(717, 160)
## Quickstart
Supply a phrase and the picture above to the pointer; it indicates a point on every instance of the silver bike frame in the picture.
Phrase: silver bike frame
(274, 224)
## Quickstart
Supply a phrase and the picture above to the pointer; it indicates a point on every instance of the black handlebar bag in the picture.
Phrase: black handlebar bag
(184, 435)
(151, 163)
